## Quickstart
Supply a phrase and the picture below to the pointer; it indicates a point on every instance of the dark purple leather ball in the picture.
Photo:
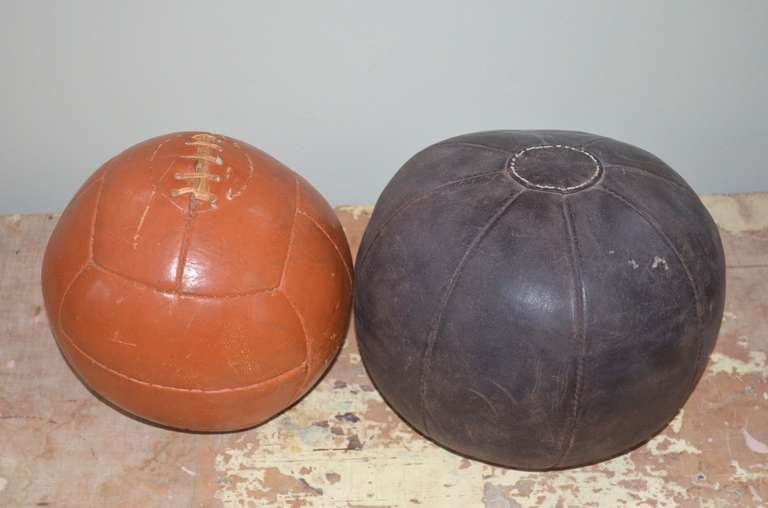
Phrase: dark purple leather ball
(538, 299)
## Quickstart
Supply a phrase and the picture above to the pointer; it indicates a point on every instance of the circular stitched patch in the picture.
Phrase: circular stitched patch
(558, 168)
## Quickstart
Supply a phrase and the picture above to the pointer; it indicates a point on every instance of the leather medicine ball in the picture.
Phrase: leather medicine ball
(198, 283)
(538, 299)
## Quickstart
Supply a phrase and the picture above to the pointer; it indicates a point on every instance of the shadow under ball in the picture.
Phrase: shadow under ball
(198, 283)
(538, 299)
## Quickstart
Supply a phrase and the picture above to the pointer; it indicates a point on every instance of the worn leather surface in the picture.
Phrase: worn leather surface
(209, 310)
(538, 299)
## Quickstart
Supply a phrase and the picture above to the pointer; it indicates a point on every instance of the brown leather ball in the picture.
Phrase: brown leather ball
(198, 283)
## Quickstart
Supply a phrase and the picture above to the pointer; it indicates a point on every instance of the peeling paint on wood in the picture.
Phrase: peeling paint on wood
(342, 445)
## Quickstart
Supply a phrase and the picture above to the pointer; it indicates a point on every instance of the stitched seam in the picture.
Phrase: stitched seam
(291, 236)
(158, 148)
(176, 205)
(152, 195)
(580, 334)
(665, 238)
(180, 294)
(643, 172)
(185, 239)
(278, 377)
(592, 141)
(87, 185)
(307, 345)
(91, 241)
(475, 145)
(363, 256)
(92, 233)
(336, 247)
(137, 233)
(437, 321)
(206, 148)
(60, 312)
(541, 139)
(64, 332)
(183, 250)
(592, 178)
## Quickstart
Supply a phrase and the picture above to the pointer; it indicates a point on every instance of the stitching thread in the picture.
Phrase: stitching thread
(595, 173)
(206, 146)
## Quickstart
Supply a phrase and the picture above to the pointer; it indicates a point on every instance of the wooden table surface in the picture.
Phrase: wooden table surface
(341, 445)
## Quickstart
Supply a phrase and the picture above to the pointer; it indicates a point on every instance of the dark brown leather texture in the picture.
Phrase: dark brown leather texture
(198, 283)
(538, 299)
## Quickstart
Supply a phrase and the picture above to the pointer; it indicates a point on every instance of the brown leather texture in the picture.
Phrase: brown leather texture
(198, 283)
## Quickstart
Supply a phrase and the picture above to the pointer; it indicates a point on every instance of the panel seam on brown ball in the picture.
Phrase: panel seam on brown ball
(278, 377)
(291, 235)
(347, 270)
(281, 289)
(307, 346)
(63, 330)
(181, 294)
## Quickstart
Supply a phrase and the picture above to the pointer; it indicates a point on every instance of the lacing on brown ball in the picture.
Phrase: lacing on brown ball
(207, 147)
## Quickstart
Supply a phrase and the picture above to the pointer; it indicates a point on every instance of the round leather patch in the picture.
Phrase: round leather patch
(557, 168)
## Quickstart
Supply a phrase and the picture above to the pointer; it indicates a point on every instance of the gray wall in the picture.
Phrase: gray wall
(346, 91)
